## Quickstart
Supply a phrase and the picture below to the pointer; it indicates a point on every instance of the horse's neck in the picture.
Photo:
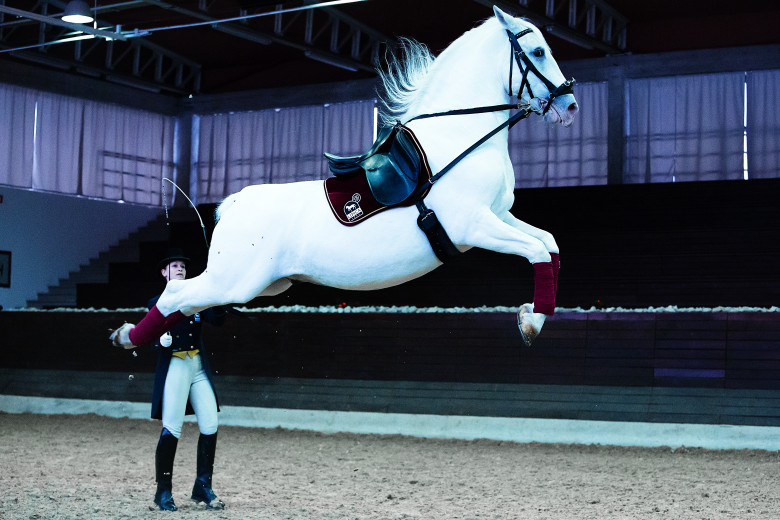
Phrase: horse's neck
(465, 75)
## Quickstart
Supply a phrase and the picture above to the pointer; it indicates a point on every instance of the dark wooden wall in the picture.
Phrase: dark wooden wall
(697, 244)
(668, 367)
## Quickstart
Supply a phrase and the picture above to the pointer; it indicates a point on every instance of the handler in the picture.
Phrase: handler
(183, 385)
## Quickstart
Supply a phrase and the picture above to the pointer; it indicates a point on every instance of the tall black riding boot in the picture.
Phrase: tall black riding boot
(163, 462)
(201, 491)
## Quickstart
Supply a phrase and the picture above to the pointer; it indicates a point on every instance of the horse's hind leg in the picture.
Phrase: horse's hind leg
(174, 304)
(186, 297)
(204, 291)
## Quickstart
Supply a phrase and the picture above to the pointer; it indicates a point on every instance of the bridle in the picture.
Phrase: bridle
(517, 54)
(521, 58)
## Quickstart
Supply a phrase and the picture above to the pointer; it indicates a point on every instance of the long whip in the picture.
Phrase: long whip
(228, 308)
(165, 203)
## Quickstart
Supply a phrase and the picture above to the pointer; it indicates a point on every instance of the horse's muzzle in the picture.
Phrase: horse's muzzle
(564, 110)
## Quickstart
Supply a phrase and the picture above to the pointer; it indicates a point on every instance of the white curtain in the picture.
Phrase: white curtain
(17, 132)
(276, 146)
(544, 155)
(58, 144)
(684, 128)
(763, 124)
(69, 145)
(126, 153)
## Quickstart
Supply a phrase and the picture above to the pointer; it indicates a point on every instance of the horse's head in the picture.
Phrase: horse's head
(542, 85)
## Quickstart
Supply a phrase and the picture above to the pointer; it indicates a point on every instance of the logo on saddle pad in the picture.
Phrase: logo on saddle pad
(352, 208)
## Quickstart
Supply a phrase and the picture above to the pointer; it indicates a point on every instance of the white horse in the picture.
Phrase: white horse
(268, 235)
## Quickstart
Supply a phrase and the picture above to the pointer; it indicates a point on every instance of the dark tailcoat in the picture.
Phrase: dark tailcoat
(186, 336)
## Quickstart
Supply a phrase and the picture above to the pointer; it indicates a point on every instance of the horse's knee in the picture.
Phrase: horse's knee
(538, 252)
(549, 242)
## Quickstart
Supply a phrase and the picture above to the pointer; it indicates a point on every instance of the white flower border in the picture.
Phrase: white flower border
(327, 309)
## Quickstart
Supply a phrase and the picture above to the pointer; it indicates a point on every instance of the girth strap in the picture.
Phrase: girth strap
(440, 242)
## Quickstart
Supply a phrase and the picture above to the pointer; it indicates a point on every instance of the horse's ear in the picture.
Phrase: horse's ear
(503, 18)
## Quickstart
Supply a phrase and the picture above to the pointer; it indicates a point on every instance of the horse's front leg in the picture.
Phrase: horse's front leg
(508, 235)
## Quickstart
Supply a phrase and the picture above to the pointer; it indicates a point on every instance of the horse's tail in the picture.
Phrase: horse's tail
(404, 77)
(225, 205)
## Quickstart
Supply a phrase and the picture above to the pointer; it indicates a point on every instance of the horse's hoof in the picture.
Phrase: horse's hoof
(529, 322)
(121, 336)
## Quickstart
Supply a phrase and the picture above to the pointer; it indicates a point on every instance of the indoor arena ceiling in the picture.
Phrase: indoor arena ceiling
(182, 47)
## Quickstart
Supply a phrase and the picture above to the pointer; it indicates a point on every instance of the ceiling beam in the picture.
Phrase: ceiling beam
(352, 60)
(174, 73)
(574, 31)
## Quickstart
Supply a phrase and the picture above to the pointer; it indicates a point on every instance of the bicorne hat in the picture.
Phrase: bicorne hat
(173, 254)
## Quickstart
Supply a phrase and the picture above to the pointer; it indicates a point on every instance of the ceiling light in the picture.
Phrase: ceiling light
(77, 11)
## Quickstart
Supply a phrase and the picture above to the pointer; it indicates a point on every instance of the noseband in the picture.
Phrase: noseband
(520, 57)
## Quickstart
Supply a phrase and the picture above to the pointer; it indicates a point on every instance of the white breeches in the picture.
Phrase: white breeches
(187, 378)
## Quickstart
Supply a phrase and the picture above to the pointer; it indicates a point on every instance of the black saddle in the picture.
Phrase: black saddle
(395, 166)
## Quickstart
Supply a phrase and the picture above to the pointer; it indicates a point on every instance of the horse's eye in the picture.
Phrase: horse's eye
(539, 53)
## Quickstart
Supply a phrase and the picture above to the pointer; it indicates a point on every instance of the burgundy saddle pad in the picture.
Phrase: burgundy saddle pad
(350, 199)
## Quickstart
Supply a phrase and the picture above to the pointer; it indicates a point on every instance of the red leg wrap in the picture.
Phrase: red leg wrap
(556, 264)
(173, 319)
(153, 326)
(148, 329)
(544, 288)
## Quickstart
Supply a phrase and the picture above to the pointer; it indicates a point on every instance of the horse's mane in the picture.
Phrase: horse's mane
(408, 72)
(404, 77)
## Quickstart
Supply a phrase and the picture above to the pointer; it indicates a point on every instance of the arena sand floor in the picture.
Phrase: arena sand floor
(89, 466)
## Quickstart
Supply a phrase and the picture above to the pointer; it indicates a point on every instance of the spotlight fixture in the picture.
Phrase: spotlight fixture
(77, 11)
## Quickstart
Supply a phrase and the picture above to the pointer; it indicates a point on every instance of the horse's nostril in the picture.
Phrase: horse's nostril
(573, 108)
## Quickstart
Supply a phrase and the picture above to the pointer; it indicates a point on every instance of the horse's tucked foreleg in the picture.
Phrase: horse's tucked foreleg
(509, 235)
(542, 288)
(544, 236)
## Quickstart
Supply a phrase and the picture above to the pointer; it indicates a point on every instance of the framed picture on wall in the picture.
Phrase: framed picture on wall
(5, 269)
